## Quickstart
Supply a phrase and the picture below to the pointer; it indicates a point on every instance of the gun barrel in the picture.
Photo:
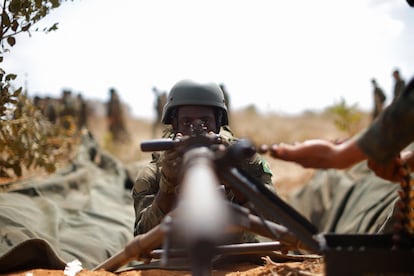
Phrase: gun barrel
(158, 145)
(202, 207)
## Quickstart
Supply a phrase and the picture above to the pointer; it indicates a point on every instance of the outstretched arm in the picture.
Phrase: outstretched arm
(320, 153)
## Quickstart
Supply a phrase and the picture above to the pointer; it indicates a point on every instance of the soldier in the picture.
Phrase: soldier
(67, 111)
(155, 189)
(115, 117)
(379, 99)
(82, 112)
(399, 84)
(160, 101)
(68, 107)
(50, 109)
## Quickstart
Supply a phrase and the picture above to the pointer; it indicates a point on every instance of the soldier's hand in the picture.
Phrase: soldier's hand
(220, 143)
(393, 171)
(170, 169)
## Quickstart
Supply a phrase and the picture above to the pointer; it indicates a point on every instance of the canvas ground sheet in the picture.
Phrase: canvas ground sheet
(353, 201)
(82, 212)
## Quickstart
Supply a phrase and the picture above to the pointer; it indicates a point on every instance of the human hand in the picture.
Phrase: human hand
(315, 153)
(219, 142)
(320, 154)
(395, 170)
(170, 168)
(391, 171)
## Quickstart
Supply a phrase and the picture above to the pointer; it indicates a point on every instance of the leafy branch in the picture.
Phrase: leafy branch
(27, 138)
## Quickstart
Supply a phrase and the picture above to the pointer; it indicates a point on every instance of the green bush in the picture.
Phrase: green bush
(346, 118)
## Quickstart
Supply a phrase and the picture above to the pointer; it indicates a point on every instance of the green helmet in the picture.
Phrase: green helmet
(187, 92)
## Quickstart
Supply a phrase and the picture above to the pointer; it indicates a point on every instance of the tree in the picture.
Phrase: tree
(27, 139)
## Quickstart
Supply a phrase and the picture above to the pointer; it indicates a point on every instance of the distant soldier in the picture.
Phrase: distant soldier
(379, 99)
(67, 111)
(50, 110)
(37, 102)
(68, 104)
(82, 112)
(116, 118)
(399, 84)
(160, 100)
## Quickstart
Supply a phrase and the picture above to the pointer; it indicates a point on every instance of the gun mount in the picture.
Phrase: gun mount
(201, 224)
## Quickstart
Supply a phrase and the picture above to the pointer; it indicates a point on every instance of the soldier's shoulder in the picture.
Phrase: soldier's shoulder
(227, 133)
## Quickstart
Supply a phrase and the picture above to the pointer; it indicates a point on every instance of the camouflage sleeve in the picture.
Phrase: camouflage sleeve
(392, 131)
(258, 169)
(256, 166)
(147, 212)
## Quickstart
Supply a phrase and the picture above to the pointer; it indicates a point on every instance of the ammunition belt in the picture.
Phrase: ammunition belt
(403, 236)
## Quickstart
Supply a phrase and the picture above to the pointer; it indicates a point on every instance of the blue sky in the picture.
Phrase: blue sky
(281, 56)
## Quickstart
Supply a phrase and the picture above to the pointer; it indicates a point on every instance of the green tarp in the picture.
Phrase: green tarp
(82, 212)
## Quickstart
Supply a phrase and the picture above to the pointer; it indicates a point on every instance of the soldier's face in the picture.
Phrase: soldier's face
(191, 119)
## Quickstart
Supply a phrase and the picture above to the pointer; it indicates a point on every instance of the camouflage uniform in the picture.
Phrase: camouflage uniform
(149, 215)
(399, 85)
(379, 100)
(115, 116)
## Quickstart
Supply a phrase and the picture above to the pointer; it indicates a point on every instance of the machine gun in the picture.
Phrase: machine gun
(203, 217)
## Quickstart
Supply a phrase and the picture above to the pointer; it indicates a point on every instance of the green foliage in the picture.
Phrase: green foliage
(27, 139)
(19, 16)
(346, 118)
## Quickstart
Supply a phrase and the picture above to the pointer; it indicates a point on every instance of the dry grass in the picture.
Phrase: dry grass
(260, 129)
(273, 128)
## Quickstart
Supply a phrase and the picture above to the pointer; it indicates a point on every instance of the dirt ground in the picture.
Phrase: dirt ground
(261, 129)
(307, 267)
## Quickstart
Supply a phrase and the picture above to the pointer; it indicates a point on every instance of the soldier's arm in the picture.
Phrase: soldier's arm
(147, 212)
(259, 169)
(320, 153)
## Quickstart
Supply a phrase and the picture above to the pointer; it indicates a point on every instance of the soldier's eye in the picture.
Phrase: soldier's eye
(187, 123)
(190, 124)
